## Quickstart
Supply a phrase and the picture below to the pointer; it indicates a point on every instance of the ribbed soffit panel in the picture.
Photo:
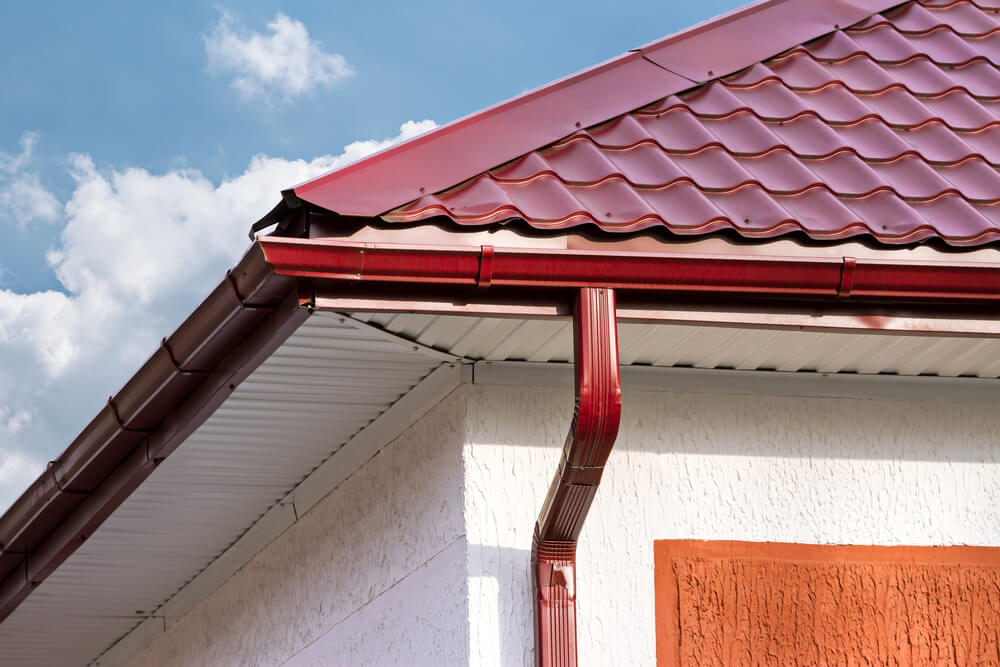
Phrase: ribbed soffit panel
(322, 386)
(540, 340)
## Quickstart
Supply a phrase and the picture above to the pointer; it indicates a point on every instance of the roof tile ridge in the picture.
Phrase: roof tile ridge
(879, 21)
(753, 181)
(938, 27)
(803, 53)
(845, 123)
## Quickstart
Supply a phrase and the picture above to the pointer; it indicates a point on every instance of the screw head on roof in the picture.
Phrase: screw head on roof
(578, 123)
(710, 73)
(421, 189)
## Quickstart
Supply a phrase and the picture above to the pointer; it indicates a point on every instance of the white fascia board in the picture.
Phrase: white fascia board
(766, 383)
(325, 478)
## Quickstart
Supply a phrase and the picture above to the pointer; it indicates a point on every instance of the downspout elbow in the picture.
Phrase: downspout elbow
(592, 435)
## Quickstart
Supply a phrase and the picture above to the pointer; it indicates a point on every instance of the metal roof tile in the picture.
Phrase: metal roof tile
(962, 17)
(873, 140)
(677, 130)
(979, 77)
(744, 133)
(645, 165)
(986, 143)
(888, 125)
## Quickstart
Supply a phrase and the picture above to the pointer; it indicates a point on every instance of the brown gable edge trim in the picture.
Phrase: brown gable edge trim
(242, 321)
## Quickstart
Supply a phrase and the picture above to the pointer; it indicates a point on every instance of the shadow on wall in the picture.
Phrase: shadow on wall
(773, 426)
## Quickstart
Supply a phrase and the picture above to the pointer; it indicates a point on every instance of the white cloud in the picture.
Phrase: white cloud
(284, 62)
(13, 163)
(137, 253)
(23, 198)
(16, 472)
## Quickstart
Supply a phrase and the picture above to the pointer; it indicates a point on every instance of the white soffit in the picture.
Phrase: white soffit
(707, 347)
(326, 383)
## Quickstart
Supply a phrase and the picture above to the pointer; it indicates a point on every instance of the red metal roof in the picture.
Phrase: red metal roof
(888, 127)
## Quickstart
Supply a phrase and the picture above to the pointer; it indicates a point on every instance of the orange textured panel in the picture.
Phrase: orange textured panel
(753, 603)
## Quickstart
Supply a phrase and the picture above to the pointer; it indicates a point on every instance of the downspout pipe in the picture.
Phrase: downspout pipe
(592, 435)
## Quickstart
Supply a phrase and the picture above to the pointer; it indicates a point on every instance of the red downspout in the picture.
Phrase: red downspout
(588, 445)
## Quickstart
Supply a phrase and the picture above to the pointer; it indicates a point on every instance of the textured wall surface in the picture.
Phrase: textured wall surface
(376, 573)
(709, 467)
(744, 603)
(372, 575)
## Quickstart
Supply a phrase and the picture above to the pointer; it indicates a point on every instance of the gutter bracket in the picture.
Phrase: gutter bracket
(592, 435)
(847, 277)
(121, 424)
(239, 297)
(50, 468)
(485, 277)
(173, 361)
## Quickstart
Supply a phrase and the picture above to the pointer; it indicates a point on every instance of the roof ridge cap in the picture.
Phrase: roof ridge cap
(807, 20)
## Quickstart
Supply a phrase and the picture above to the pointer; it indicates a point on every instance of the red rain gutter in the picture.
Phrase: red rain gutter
(588, 446)
(519, 269)
(237, 326)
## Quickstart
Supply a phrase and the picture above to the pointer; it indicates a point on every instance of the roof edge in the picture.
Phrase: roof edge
(258, 305)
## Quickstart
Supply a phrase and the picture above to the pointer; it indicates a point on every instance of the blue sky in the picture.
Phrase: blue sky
(138, 141)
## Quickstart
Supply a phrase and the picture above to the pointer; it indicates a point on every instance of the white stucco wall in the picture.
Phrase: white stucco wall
(708, 466)
(372, 575)
(421, 557)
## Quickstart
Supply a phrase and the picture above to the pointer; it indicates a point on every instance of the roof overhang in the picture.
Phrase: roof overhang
(198, 370)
